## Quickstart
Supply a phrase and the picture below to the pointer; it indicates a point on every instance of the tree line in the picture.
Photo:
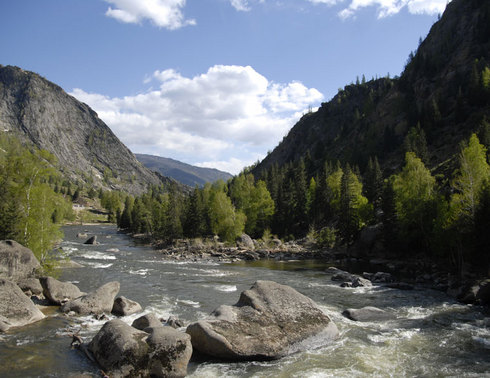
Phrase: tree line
(420, 212)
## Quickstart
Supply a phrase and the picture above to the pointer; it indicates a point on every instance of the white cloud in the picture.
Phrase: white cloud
(240, 5)
(388, 8)
(163, 13)
(225, 117)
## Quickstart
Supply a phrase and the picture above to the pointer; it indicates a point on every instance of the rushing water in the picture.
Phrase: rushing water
(433, 336)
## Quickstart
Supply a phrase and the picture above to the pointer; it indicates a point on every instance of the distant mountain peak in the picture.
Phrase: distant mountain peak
(184, 173)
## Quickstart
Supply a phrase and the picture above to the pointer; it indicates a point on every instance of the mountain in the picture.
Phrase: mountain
(184, 173)
(40, 112)
(443, 94)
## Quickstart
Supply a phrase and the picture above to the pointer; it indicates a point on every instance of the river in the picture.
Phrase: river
(433, 336)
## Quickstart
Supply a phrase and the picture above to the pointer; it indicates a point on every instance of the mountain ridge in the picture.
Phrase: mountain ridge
(436, 90)
(185, 173)
(40, 112)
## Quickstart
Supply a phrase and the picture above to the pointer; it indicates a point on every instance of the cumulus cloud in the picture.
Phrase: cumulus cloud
(163, 13)
(225, 117)
(388, 7)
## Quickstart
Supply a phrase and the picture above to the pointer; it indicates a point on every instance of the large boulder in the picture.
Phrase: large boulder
(246, 242)
(367, 314)
(16, 309)
(269, 321)
(122, 350)
(97, 302)
(124, 307)
(58, 292)
(16, 261)
(171, 351)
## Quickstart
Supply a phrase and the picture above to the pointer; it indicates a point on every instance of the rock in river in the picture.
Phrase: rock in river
(97, 302)
(124, 306)
(59, 292)
(122, 351)
(367, 314)
(269, 321)
(16, 309)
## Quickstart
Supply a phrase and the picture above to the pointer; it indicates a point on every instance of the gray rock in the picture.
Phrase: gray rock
(174, 322)
(97, 302)
(91, 240)
(120, 349)
(58, 292)
(147, 321)
(82, 235)
(16, 261)
(171, 351)
(361, 282)
(367, 314)
(124, 307)
(269, 321)
(124, 351)
(30, 286)
(340, 275)
(246, 241)
(16, 309)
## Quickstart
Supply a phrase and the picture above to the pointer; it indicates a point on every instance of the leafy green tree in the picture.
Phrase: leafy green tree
(225, 221)
(473, 173)
(334, 183)
(415, 193)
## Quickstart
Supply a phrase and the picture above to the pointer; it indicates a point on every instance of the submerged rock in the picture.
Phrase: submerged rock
(124, 307)
(122, 350)
(16, 261)
(269, 321)
(58, 292)
(16, 309)
(367, 314)
(97, 302)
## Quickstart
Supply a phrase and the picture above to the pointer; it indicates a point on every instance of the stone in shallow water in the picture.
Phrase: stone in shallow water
(97, 302)
(122, 350)
(269, 321)
(367, 314)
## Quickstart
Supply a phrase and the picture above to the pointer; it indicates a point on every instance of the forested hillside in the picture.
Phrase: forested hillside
(404, 158)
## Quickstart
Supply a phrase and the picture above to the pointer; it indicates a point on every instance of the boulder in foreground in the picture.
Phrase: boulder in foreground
(269, 321)
(122, 351)
(16, 261)
(16, 309)
(97, 302)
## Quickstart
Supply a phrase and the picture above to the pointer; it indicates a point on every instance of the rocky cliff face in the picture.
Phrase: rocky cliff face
(40, 112)
(441, 89)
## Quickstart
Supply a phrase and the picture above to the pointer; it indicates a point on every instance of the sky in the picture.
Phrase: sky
(213, 83)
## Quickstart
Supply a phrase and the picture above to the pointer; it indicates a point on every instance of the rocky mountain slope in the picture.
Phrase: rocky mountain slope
(444, 88)
(185, 173)
(40, 112)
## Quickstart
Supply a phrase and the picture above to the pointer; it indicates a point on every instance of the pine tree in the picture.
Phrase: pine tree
(374, 183)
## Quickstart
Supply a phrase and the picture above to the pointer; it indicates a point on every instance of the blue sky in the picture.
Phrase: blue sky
(213, 83)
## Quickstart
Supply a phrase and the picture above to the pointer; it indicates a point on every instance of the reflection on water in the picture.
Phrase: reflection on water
(432, 337)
